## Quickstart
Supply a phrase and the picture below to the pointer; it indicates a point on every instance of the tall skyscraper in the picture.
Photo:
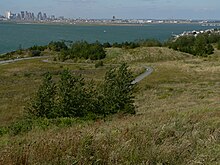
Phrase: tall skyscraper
(39, 16)
(32, 16)
(8, 14)
(44, 16)
(22, 15)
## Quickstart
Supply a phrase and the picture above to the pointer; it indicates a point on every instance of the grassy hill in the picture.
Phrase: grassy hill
(177, 120)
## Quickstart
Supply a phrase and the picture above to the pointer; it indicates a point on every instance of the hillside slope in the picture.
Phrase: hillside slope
(177, 120)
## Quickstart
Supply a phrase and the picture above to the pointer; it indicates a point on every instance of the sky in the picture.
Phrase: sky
(121, 9)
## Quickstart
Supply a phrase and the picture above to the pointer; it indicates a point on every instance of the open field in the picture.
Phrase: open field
(177, 120)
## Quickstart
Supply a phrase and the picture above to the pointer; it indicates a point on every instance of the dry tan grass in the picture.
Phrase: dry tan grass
(146, 54)
(20, 80)
(177, 122)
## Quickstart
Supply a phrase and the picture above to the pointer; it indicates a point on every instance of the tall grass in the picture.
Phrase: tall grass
(177, 122)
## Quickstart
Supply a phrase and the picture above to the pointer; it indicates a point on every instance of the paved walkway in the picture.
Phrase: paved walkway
(148, 71)
(21, 59)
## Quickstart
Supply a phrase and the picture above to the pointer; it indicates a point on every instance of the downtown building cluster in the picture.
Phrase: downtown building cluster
(28, 16)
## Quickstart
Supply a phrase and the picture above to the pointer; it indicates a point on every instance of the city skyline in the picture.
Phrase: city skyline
(29, 16)
(123, 9)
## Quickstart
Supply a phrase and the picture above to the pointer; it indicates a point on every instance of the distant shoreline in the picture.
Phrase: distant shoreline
(106, 24)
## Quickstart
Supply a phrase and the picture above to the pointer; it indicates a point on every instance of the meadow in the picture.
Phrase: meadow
(177, 120)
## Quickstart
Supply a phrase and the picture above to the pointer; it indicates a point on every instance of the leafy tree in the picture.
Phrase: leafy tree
(107, 45)
(99, 64)
(35, 53)
(83, 49)
(118, 91)
(38, 48)
(43, 104)
(117, 45)
(209, 49)
(200, 45)
(57, 46)
(71, 95)
(64, 55)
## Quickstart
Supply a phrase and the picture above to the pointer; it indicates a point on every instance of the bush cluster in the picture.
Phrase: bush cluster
(39, 48)
(200, 45)
(71, 96)
(57, 46)
(83, 50)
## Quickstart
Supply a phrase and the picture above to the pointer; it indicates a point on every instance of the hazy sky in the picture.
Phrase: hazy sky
(156, 9)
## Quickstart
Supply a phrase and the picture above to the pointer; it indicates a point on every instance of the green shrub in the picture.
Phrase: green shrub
(21, 126)
(117, 91)
(43, 105)
(57, 46)
(3, 131)
(218, 45)
(35, 53)
(71, 97)
(39, 48)
(199, 45)
(99, 64)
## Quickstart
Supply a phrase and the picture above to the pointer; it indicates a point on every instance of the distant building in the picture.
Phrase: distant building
(44, 16)
(8, 14)
(32, 16)
(52, 17)
(39, 16)
(18, 17)
(22, 15)
(61, 18)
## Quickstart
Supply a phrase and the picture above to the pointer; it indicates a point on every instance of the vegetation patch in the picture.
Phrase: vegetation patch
(177, 110)
(71, 97)
(200, 45)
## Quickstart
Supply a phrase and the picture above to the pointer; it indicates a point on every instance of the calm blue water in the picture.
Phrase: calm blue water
(26, 35)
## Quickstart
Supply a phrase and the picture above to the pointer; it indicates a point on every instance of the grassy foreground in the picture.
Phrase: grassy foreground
(177, 121)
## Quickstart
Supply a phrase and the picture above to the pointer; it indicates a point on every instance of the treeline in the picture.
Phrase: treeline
(134, 44)
(80, 49)
(85, 50)
(72, 97)
(201, 45)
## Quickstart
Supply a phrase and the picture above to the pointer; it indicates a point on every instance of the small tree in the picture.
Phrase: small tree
(118, 91)
(43, 104)
(35, 53)
(200, 45)
(71, 95)
(209, 49)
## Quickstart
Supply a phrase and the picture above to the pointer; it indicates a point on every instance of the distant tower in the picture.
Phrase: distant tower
(44, 16)
(22, 14)
(26, 15)
(18, 16)
(113, 17)
(32, 16)
(39, 16)
(8, 14)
